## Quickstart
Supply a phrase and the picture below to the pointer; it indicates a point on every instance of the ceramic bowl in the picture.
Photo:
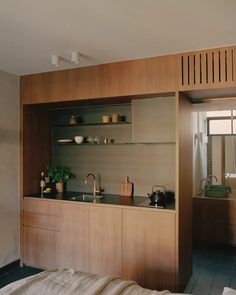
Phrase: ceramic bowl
(79, 139)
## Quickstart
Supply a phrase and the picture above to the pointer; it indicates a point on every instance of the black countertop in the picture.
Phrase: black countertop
(135, 201)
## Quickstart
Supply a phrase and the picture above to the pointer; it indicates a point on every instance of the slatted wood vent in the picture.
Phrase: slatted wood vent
(208, 68)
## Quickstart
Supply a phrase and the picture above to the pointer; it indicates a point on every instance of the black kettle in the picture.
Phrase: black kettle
(157, 197)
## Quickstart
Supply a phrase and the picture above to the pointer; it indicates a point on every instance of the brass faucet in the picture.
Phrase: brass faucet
(207, 180)
(95, 190)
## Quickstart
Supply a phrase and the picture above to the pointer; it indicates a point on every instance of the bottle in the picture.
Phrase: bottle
(42, 182)
(126, 188)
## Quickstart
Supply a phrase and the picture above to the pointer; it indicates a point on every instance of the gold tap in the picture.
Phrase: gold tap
(95, 190)
(208, 180)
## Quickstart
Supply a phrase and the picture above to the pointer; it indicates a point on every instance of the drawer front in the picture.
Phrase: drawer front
(41, 221)
(41, 207)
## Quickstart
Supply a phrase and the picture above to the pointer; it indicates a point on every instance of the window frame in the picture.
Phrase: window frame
(231, 118)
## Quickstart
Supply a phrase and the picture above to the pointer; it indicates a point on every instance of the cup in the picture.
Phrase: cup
(105, 119)
(114, 118)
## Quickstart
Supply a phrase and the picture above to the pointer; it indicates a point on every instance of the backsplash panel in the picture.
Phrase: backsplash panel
(145, 164)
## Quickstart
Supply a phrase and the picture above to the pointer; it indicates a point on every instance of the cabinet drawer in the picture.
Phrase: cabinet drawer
(41, 207)
(42, 221)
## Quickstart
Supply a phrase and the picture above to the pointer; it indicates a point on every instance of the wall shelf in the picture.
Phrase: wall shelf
(93, 124)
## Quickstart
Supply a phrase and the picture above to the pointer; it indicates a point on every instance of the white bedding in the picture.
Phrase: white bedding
(70, 282)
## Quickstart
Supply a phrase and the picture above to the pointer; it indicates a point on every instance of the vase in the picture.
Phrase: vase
(60, 187)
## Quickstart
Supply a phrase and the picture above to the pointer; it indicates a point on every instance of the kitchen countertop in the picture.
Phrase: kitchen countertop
(110, 199)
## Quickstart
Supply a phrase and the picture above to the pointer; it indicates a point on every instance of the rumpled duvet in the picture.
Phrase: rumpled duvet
(71, 282)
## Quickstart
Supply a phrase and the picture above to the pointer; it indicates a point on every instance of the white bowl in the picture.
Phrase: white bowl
(79, 139)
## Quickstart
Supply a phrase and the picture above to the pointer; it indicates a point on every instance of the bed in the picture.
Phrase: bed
(71, 282)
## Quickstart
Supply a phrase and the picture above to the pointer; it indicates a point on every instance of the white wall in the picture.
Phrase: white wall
(199, 151)
(9, 168)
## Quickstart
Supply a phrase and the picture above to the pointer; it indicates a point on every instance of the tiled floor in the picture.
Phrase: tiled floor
(213, 269)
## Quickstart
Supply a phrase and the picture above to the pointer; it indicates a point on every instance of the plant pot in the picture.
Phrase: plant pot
(60, 187)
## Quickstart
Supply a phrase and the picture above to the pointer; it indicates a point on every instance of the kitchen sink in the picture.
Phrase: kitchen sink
(216, 193)
(86, 198)
(219, 187)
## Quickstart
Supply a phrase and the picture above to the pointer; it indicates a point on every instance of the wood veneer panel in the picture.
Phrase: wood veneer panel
(40, 206)
(184, 189)
(105, 240)
(135, 77)
(211, 68)
(215, 221)
(39, 247)
(35, 146)
(41, 221)
(149, 249)
(73, 247)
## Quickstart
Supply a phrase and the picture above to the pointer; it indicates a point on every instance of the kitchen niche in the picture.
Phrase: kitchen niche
(141, 146)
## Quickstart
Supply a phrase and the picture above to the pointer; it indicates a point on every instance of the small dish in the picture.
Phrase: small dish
(79, 139)
(65, 140)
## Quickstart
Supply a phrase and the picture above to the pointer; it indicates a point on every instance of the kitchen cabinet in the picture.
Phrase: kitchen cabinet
(41, 227)
(102, 239)
(126, 78)
(149, 248)
(214, 221)
(153, 120)
(73, 250)
(105, 240)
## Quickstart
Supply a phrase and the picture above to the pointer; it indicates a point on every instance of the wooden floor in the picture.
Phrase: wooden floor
(213, 269)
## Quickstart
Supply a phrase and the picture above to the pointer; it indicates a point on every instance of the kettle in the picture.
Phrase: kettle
(157, 196)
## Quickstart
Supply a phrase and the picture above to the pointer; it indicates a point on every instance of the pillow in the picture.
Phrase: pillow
(229, 291)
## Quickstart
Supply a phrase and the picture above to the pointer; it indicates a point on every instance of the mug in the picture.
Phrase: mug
(114, 118)
(105, 119)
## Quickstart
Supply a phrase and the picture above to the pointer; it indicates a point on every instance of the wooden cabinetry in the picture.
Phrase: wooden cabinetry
(134, 77)
(153, 120)
(214, 221)
(41, 227)
(73, 248)
(149, 248)
(206, 69)
(105, 240)
(137, 244)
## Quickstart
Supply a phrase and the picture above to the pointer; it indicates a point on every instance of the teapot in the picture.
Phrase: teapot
(158, 195)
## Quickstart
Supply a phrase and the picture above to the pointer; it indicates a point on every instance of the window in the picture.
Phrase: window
(221, 122)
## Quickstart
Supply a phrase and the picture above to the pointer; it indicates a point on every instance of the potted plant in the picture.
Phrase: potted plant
(59, 175)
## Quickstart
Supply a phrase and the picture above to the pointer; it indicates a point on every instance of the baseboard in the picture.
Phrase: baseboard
(10, 266)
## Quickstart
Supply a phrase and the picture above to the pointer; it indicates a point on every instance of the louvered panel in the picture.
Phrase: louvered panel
(233, 64)
(203, 68)
(186, 71)
(197, 68)
(191, 69)
(230, 53)
(223, 66)
(216, 66)
(208, 68)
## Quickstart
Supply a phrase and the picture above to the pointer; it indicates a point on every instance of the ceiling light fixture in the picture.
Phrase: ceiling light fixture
(75, 57)
(55, 60)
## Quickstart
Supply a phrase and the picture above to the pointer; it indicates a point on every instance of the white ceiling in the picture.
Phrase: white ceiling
(108, 30)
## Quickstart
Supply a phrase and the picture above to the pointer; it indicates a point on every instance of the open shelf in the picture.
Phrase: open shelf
(92, 124)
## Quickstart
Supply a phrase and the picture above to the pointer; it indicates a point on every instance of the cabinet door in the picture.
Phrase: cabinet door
(74, 237)
(153, 120)
(40, 247)
(149, 248)
(105, 240)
